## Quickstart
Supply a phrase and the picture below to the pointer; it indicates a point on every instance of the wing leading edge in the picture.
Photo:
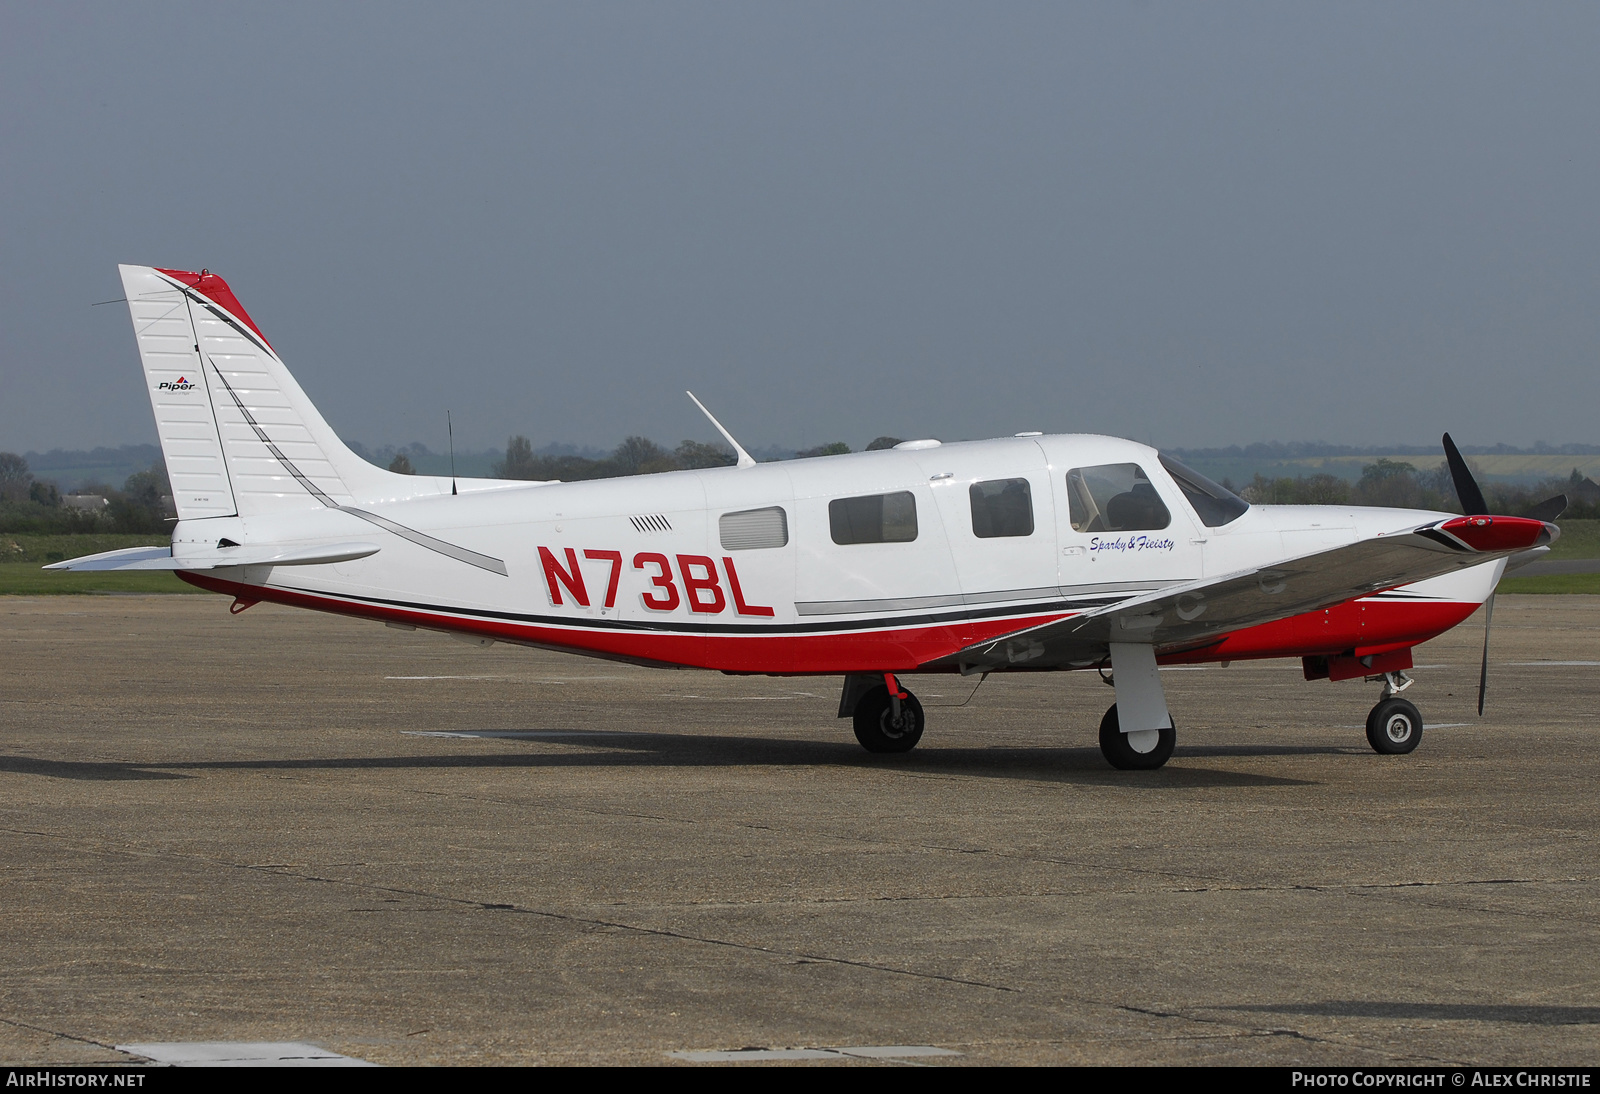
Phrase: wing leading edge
(1199, 612)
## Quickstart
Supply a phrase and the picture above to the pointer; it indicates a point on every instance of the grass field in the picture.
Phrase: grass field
(1551, 583)
(27, 579)
(1579, 539)
(15, 547)
(21, 557)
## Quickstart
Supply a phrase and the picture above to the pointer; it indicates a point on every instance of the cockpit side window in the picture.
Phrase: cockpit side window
(1214, 505)
(1114, 497)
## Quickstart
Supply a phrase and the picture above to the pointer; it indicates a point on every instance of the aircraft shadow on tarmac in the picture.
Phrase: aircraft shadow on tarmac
(91, 770)
(580, 749)
(1530, 1015)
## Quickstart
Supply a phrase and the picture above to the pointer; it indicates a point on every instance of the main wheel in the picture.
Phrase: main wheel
(1394, 727)
(1123, 754)
(879, 730)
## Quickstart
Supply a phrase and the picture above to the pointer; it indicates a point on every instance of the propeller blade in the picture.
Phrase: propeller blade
(1467, 492)
(1549, 509)
(1483, 673)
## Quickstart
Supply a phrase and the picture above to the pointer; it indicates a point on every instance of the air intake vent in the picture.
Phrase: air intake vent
(651, 522)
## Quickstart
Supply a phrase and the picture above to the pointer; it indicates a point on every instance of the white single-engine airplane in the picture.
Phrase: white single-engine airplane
(1025, 553)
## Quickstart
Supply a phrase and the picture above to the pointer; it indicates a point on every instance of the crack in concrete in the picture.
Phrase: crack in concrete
(65, 1036)
(566, 917)
(1275, 1031)
(1353, 888)
(662, 932)
(1543, 915)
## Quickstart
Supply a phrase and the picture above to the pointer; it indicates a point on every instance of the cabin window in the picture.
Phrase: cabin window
(754, 528)
(1214, 505)
(1001, 507)
(877, 518)
(1114, 497)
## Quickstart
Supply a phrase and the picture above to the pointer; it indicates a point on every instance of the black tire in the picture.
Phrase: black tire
(876, 727)
(1394, 727)
(1120, 755)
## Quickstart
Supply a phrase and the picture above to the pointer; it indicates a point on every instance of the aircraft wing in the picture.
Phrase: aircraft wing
(160, 558)
(1191, 614)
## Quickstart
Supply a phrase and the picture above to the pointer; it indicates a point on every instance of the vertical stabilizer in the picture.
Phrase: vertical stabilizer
(176, 380)
(238, 433)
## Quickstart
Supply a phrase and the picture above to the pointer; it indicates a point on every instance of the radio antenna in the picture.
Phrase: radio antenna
(744, 459)
(451, 429)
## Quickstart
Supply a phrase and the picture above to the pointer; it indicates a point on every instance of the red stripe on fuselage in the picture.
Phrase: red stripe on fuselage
(1356, 626)
(891, 649)
(1359, 627)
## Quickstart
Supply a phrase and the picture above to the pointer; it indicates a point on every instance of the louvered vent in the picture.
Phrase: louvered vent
(753, 528)
(650, 522)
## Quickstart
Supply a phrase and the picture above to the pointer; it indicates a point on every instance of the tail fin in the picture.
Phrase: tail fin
(239, 435)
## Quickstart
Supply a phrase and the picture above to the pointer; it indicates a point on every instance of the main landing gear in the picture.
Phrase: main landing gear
(888, 718)
(1144, 750)
(1394, 726)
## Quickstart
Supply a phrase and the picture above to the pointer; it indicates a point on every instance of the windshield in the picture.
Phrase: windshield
(1215, 505)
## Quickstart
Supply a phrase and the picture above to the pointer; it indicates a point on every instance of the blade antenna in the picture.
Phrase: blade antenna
(451, 430)
(1483, 673)
(745, 459)
(1467, 492)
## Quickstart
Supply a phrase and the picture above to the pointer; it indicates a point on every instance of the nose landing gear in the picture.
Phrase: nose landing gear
(1394, 726)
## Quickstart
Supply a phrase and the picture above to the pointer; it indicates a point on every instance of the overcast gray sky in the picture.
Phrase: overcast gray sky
(1196, 224)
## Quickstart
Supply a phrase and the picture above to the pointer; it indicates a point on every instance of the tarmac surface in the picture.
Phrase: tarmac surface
(271, 828)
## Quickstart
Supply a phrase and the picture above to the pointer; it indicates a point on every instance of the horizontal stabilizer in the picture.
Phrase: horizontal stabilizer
(160, 558)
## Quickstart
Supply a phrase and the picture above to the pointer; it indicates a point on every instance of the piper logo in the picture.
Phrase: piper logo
(180, 384)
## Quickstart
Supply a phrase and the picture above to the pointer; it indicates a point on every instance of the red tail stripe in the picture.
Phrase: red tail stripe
(215, 289)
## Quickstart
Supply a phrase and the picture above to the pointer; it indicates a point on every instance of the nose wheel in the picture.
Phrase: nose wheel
(1394, 727)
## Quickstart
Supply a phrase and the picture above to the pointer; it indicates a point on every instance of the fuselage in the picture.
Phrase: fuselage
(868, 562)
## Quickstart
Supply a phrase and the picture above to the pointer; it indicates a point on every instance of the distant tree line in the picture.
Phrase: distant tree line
(634, 456)
(1384, 482)
(1400, 485)
(35, 505)
(1276, 451)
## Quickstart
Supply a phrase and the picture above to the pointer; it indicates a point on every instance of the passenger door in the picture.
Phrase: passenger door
(996, 505)
(867, 538)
